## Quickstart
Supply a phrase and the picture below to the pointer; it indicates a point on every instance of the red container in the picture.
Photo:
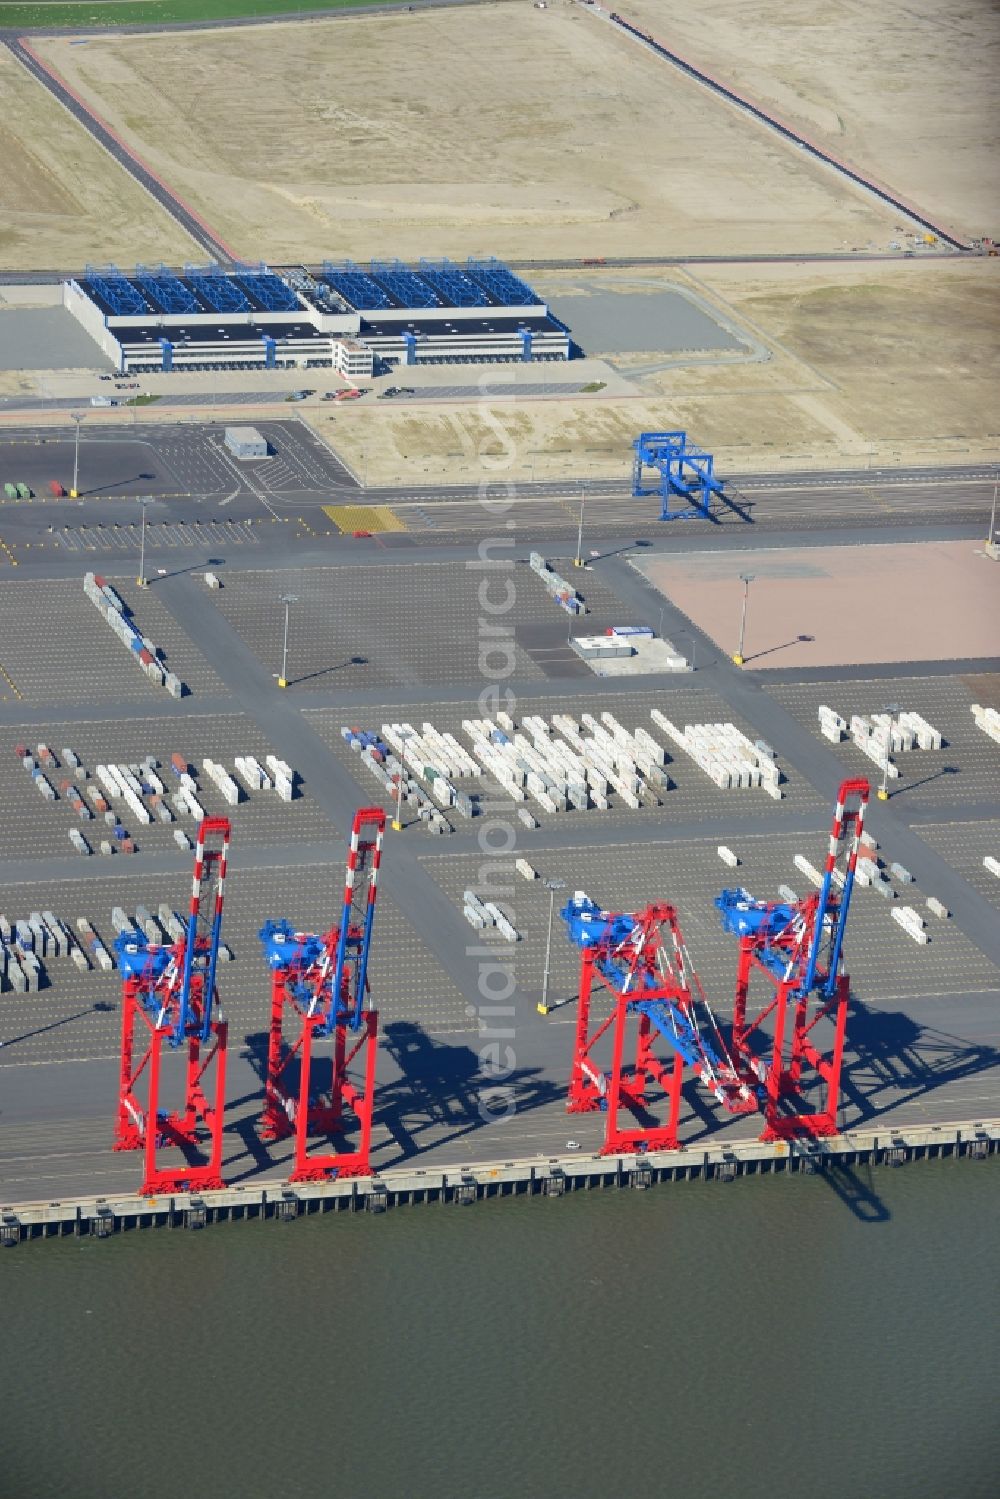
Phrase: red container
(56, 488)
(179, 763)
(145, 657)
(128, 847)
(20, 750)
(101, 582)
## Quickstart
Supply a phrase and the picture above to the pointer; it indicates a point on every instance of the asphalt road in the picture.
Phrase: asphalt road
(180, 463)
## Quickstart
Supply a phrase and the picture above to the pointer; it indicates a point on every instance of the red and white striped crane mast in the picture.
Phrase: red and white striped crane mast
(797, 947)
(319, 986)
(169, 999)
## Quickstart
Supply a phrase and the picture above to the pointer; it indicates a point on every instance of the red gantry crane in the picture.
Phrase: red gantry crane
(643, 966)
(798, 949)
(320, 985)
(170, 999)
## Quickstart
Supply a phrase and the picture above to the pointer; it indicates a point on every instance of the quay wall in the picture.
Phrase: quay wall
(100, 1217)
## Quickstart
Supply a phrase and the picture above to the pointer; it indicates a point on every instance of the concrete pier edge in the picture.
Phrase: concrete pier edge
(100, 1217)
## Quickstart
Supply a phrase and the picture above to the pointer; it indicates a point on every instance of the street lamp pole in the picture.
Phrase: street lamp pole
(993, 512)
(746, 579)
(551, 886)
(397, 822)
(578, 559)
(141, 579)
(78, 418)
(288, 599)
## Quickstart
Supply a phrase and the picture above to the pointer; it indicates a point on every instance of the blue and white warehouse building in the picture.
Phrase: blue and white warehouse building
(344, 316)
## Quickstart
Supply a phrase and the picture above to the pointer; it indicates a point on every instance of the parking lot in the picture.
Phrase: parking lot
(691, 798)
(54, 646)
(35, 828)
(963, 771)
(179, 459)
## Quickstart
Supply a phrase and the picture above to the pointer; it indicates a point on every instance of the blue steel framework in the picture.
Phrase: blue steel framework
(356, 286)
(260, 282)
(684, 471)
(455, 288)
(378, 287)
(166, 290)
(409, 289)
(117, 291)
(218, 291)
(501, 283)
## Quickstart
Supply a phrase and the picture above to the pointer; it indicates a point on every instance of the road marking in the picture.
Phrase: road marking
(374, 518)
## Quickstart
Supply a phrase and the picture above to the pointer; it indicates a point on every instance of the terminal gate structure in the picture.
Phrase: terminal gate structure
(320, 985)
(170, 1004)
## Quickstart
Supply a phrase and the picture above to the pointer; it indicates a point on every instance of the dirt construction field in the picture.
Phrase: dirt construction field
(506, 129)
(889, 364)
(63, 201)
(909, 90)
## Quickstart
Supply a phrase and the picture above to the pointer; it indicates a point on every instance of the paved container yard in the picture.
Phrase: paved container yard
(923, 1043)
(886, 965)
(691, 798)
(75, 1015)
(55, 646)
(963, 771)
(409, 626)
(35, 828)
(965, 845)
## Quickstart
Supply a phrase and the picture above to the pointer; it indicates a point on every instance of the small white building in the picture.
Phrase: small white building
(246, 442)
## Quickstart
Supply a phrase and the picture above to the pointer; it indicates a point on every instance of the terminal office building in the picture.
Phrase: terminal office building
(355, 319)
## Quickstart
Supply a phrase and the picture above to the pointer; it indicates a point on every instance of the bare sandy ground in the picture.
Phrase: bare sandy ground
(893, 364)
(907, 89)
(501, 129)
(63, 201)
(844, 606)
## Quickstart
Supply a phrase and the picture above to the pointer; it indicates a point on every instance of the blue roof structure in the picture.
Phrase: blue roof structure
(409, 289)
(218, 292)
(384, 286)
(165, 290)
(119, 296)
(268, 290)
(455, 287)
(501, 283)
(355, 286)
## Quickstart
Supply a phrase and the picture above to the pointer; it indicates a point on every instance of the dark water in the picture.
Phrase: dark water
(757, 1339)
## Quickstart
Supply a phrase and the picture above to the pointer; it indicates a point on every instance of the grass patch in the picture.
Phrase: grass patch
(85, 14)
(143, 400)
(592, 386)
